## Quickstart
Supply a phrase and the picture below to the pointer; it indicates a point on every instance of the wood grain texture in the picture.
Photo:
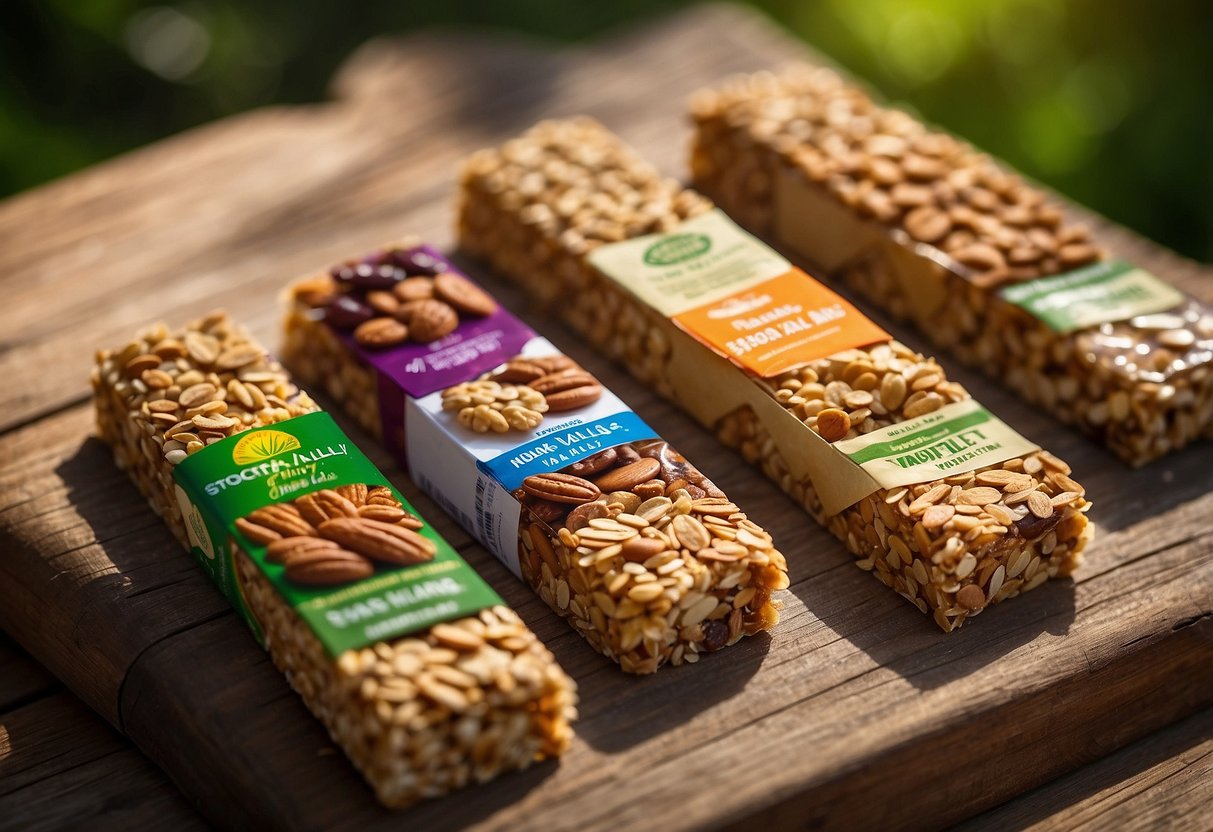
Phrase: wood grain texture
(63, 768)
(22, 680)
(1162, 782)
(854, 712)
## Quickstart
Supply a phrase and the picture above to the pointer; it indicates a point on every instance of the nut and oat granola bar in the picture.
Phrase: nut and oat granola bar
(536, 207)
(419, 715)
(633, 546)
(905, 214)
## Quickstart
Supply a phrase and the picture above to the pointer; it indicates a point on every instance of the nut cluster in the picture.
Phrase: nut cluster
(196, 388)
(858, 391)
(336, 536)
(516, 396)
(647, 557)
(396, 295)
(486, 405)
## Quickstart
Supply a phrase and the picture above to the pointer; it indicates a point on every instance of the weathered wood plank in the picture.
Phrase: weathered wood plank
(1162, 782)
(62, 768)
(825, 678)
(854, 695)
(22, 680)
(206, 215)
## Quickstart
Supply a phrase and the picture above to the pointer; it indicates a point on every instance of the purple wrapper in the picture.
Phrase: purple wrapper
(476, 346)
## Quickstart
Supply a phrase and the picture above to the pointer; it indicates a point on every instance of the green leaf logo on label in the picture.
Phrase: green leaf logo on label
(262, 445)
(677, 248)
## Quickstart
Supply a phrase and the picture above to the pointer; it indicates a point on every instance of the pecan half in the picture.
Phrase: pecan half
(380, 541)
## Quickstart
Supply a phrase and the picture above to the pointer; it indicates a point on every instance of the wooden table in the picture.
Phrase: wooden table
(854, 712)
(65, 767)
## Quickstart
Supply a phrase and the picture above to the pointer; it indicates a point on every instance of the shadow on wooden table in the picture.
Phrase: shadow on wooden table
(1169, 766)
(630, 710)
(898, 638)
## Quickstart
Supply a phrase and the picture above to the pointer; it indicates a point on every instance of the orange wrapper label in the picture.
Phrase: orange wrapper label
(780, 324)
(737, 296)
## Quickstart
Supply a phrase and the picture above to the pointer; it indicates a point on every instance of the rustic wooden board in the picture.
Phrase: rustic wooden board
(1162, 782)
(63, 768)
(856, 711)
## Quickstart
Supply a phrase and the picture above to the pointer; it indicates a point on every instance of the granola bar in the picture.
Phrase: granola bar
(455, 703)
(539, 206)
(987, 266)
(643, 555)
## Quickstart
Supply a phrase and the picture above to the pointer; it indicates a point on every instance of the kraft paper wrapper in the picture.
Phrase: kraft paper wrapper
(710, 387)
(831, 236)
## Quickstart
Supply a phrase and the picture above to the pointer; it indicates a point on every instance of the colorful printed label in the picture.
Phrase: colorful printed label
(955, 439)
(1093, 295)
(222, 489)
(416, 370)
(476, 485)
(563, 444)
(736, 296)
(780, 324)
(707, 259)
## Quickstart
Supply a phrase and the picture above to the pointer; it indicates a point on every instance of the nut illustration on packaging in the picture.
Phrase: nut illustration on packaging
(397, 296)
(516, 396)
(339, 535)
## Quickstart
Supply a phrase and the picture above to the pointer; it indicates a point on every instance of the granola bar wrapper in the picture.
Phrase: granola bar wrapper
(930, 492)
(611, 526)
(987, 266)
(419, 672)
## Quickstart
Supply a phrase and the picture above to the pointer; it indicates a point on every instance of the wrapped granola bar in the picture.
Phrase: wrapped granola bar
(939, 499)
(418, 670)
(614, 529)
(987, 266)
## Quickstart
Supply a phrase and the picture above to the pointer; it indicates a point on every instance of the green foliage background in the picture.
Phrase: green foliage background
(1108, 101)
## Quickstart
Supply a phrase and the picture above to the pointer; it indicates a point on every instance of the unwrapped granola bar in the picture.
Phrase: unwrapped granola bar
(930, 492)
(422, 676)
(986, 265)
(613, 528)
